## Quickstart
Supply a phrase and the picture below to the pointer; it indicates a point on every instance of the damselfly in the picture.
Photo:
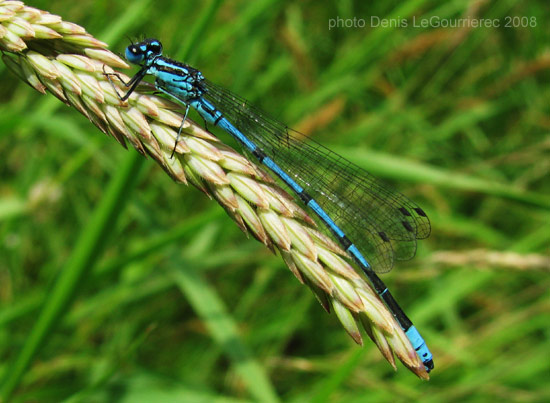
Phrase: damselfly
(372, 222)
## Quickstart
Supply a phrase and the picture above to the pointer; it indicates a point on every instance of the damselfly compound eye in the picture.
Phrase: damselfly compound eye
(134, 54)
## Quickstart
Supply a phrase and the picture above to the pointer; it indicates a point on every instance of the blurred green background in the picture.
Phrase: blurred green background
(181, 306)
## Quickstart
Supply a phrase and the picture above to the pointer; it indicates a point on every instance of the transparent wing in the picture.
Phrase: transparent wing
(383, 223)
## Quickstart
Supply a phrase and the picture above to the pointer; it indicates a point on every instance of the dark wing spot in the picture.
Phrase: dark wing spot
(420, 212)
(404, 211)
(384, 236)
(407, 226)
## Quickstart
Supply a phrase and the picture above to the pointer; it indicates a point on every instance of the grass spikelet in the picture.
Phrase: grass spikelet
(55, 56)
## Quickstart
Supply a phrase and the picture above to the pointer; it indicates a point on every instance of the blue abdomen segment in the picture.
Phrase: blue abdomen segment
(420, 347)
(358, 256)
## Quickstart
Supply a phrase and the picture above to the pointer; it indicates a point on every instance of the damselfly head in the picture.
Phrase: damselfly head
(143, 52)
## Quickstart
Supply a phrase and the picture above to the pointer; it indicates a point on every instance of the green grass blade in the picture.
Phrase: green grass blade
(87, 250)
(224, 331)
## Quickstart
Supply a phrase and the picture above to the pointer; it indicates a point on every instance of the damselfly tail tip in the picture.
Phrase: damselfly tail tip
(429, 365)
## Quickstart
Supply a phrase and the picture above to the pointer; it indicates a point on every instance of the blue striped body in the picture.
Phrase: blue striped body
(186, 85)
